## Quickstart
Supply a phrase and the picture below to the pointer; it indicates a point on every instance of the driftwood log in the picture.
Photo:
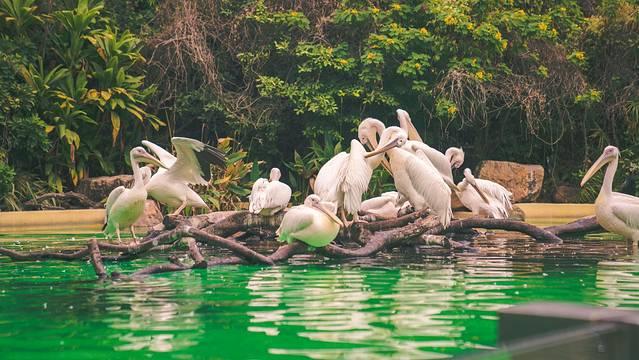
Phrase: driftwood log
(223, 229)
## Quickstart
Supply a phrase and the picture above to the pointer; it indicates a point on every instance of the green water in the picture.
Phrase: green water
(411, 303)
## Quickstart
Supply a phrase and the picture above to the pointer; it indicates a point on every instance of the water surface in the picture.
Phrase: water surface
(412, 303)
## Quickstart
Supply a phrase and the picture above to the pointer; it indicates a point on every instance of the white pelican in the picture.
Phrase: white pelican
(455, 157)
(615, 212)
(418, 180)
(484, 197)
(386, 206)
(269, 197)
(124, 206)
(345, 177)
(313, 223)
(370, 127)
(191, 166)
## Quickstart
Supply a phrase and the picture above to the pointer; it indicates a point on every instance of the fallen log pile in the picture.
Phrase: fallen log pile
(227, 229)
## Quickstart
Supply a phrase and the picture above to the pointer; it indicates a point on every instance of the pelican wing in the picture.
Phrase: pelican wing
(437, 159)
(331, 174)
(496, 191)
(277, 194)
(256, 198)
(376, 203)
(296, 219)
(193, 161)
(113, 197)
(165, 157)
(627, 211)
(429, 183)
(356, 177)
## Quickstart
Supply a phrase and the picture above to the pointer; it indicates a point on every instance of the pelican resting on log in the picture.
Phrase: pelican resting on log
(191, 166)
(269, 196)
(615, 212)
(345, 177)
(419, 181)
(125, 206)
(389, 205)
(484, 197)
(313, 223)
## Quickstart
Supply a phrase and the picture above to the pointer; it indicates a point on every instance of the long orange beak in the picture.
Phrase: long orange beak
(330, 214)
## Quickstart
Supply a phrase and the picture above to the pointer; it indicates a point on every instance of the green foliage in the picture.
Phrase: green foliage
(6, 179)
(230, 187)
(85, 82)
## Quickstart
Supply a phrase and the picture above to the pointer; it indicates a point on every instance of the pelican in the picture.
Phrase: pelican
(386, 206)
(124, 206)
(313, 223)
(345, 177)
(615, 212)
(267, 198)
(191, 166)
(370, 127)
(455, 157)
(419, 181)
(484, 197)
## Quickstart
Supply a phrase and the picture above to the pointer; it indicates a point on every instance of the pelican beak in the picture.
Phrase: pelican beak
(393, 143)
(451, 185)
(330, 214)
(479, 191)
(603, 160)
(149, 159)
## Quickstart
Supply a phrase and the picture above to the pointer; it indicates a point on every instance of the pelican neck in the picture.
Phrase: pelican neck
(606, 188)
(137, 174)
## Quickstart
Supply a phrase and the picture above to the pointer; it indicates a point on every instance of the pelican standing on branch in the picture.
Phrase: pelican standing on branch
(124, 206)
(484, 197)
(419, 181)
(615, 212)
(313, 223)
(386, 206)
(345, 177)
(269, 197)
(190, 167)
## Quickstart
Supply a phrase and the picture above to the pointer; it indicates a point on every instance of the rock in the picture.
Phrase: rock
(523, 180)
(98, 188)
(152, 216)
(566, 194)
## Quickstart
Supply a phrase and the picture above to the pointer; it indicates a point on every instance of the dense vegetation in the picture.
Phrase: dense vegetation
(81, 82)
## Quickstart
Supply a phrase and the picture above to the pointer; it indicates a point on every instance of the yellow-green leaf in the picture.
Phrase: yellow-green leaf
(115, 122)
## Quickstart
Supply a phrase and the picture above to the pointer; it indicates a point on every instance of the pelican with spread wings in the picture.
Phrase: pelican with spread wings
(191, 166)
(615, 212)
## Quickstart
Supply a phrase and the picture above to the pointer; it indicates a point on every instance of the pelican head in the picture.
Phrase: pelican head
(468, 176)
(315, 202)
(455, 156)
(609, 154)
(392, 137)
(138, 154)
(275, 175)
(368, 130)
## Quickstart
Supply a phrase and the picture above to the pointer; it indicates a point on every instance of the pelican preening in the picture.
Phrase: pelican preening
(345, 177)
(190, 167)
(484, 197)
(124, 206)
(269, 197)
(313, 223)
(615, 212)
(455, 157)
(419, 181)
